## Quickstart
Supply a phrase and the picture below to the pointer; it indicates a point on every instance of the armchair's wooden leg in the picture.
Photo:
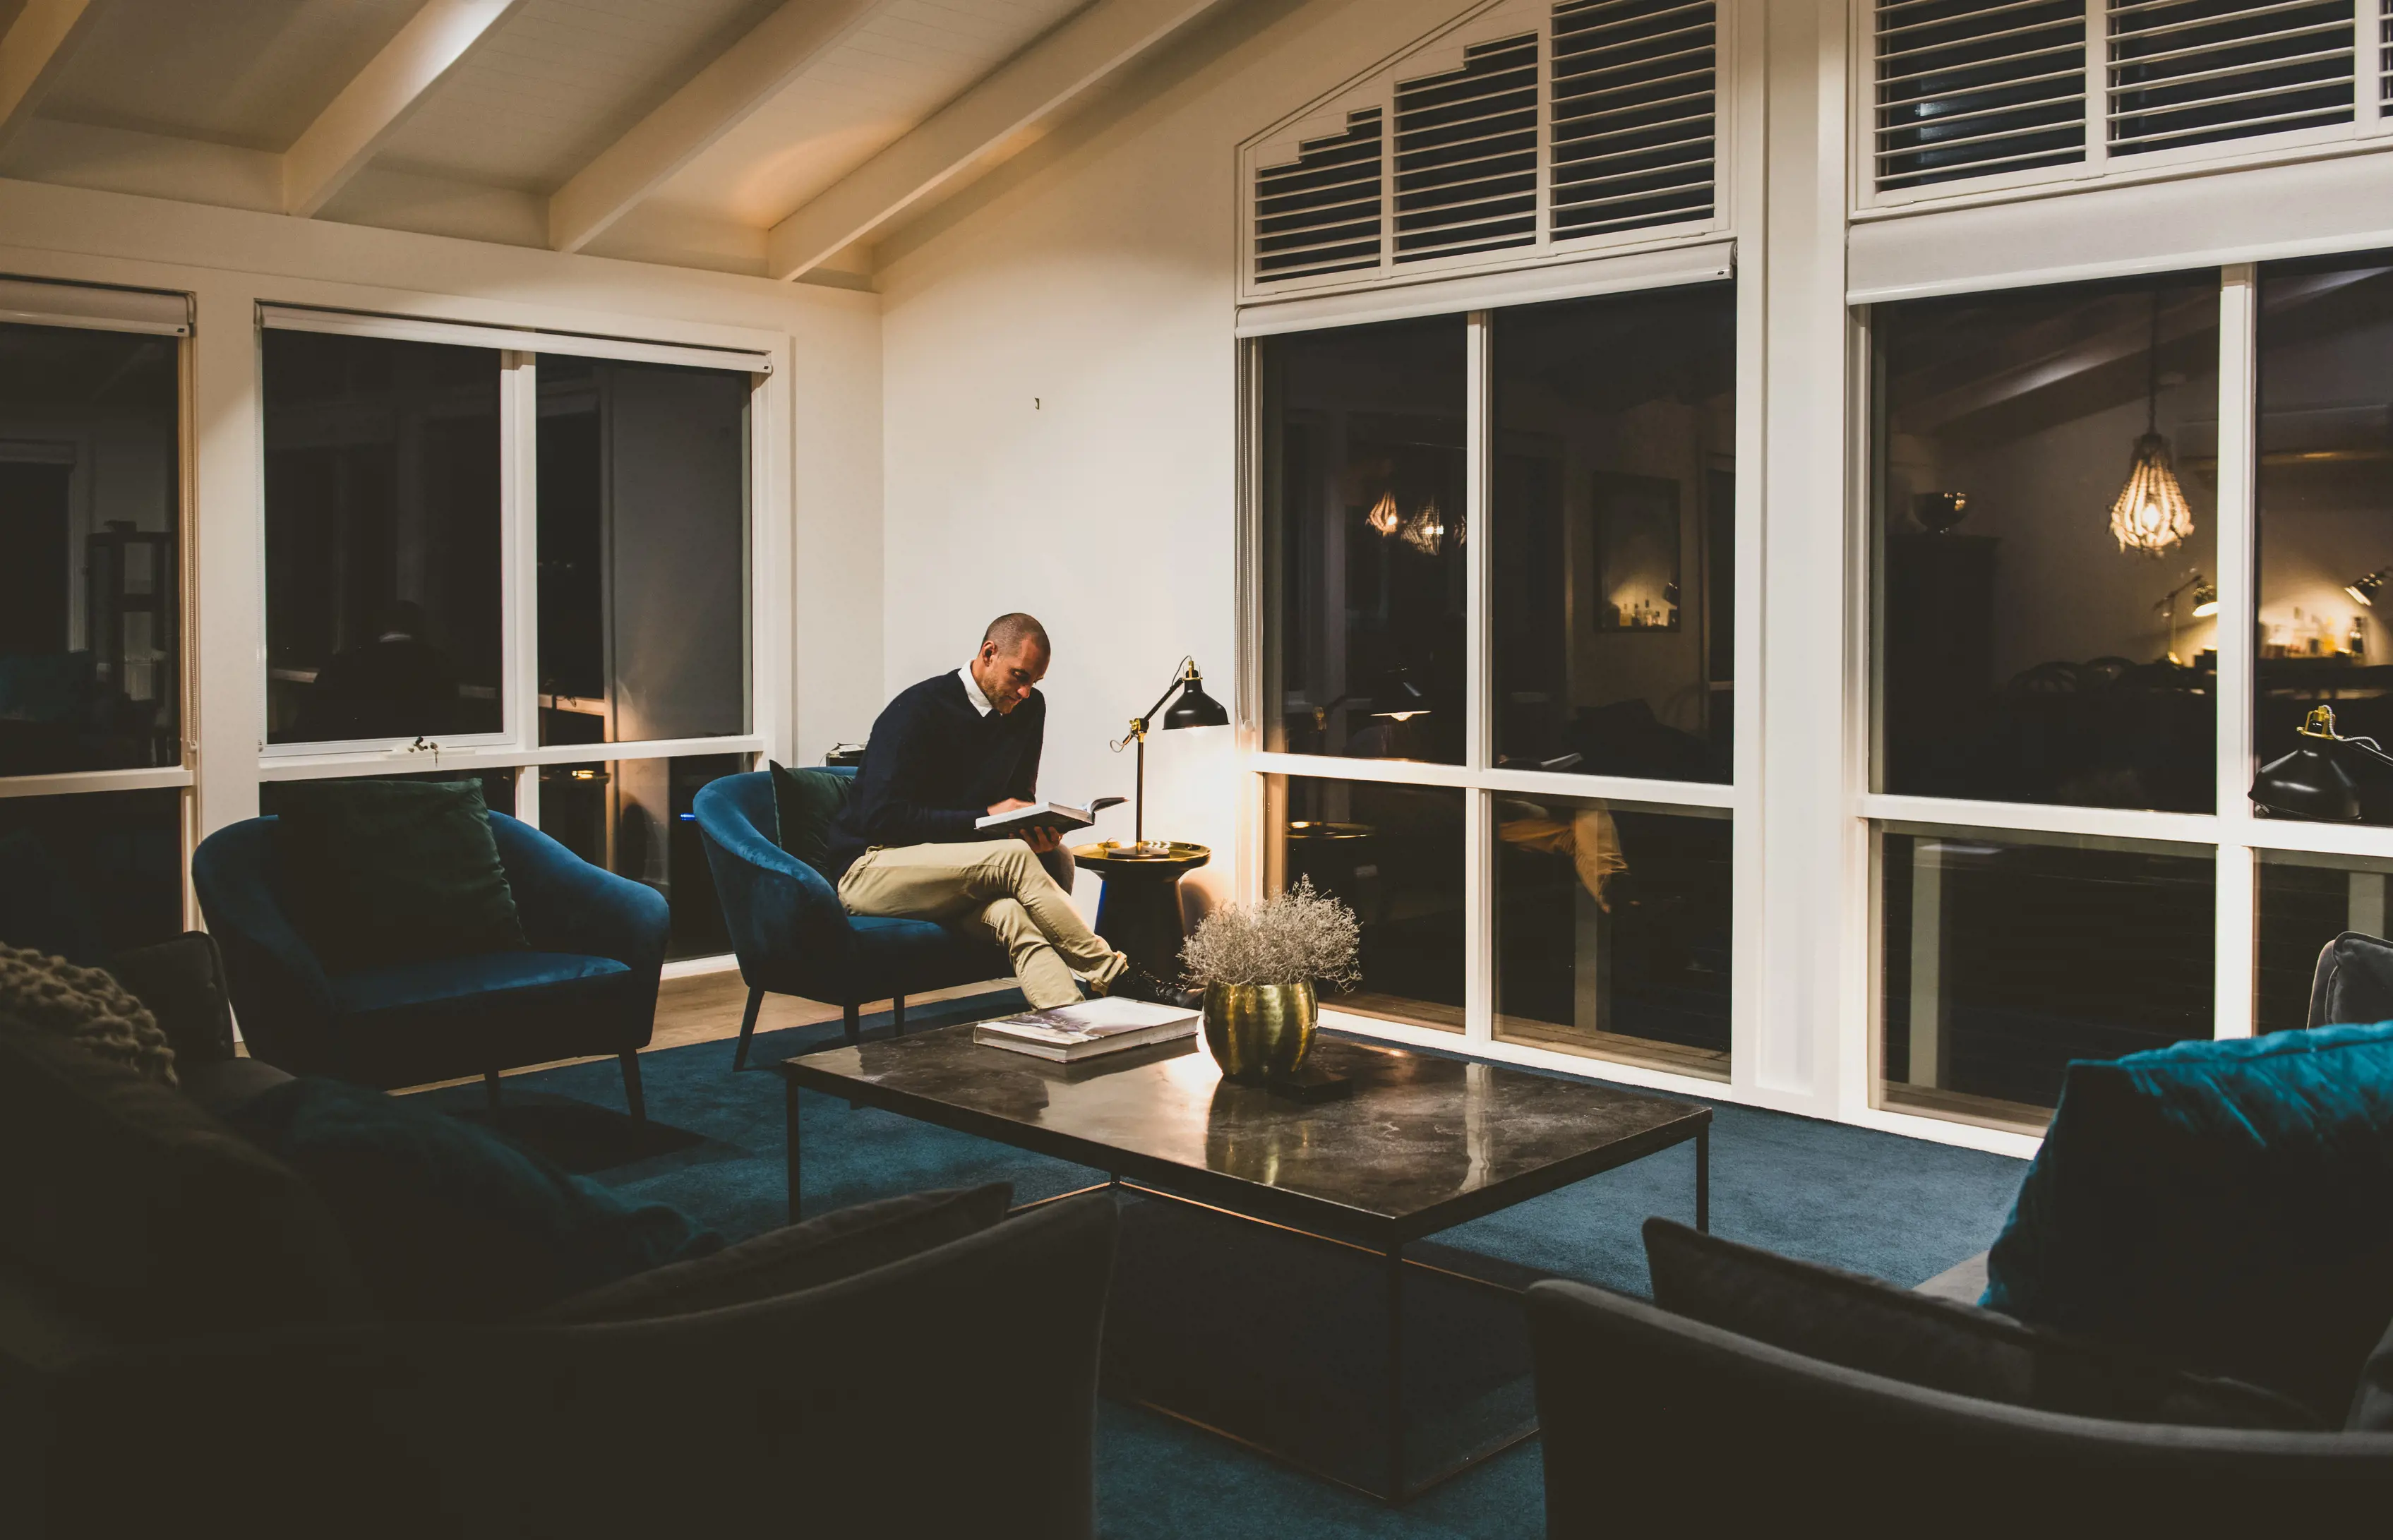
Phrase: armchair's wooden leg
(898, 1016)
(852, 1015)
(490, 1084)
(747, 1030)
(634, 1096)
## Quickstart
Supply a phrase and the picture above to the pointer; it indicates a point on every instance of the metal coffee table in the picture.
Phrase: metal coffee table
(1423, 1144)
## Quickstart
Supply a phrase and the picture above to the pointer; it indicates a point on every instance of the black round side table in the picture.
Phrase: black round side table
(1139, 911)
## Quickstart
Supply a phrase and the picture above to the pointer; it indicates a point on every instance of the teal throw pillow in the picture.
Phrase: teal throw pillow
(388, 871)
(449, 1223)
(2227, 1206)
(804, 803)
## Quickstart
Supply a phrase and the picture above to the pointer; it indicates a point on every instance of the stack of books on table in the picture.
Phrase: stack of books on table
(1070, 1033)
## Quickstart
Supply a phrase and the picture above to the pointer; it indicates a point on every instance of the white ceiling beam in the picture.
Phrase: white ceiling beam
(385, 93)
(34, 53)
(984, 124)
(744, 78)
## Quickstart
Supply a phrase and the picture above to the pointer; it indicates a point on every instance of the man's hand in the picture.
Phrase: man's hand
(1041, 840)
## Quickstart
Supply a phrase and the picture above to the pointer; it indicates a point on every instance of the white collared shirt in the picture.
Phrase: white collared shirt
(980, 702)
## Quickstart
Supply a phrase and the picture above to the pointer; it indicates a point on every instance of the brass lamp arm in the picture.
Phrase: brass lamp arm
(1139, 724)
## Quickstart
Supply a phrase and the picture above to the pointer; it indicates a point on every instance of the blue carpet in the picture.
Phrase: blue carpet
(1876, 1203)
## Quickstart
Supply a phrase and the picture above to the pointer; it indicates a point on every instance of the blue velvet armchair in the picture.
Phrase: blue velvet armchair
(587, 986)
(793, 936)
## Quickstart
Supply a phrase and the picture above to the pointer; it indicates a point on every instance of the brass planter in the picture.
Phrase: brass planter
(1259, 1032)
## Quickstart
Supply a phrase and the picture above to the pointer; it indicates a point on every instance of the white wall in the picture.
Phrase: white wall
(1059, 401)
(820, 423)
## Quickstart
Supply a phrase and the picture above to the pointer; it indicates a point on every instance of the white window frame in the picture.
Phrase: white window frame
(151, 312)
(2232, 832)
(1477, 776)
(517, 745)
(2370, 129)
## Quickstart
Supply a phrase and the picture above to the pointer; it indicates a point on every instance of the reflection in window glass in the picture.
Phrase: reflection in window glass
(2006, 956)
(2023, 654)
(1363, 495)
(498, 787)
(1615, 534)
(2307, 901)
(383, 605)
(90, 493)
(90, 874)
(1395, 853)
(633, 818)
(1612, 931)
(643, 552)
(2326, 492)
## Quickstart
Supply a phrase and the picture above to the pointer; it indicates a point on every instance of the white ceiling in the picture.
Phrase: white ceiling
(660, 130)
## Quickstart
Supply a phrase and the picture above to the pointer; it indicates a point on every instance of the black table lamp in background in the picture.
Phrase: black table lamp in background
(1193, 709)
(2315, 780)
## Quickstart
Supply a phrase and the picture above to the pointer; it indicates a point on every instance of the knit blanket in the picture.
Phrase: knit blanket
(87, 1005)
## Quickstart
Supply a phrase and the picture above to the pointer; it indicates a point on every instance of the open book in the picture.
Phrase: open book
(1060, 817)
(1070, 1033)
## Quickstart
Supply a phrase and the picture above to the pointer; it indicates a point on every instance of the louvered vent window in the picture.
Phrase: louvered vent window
(1971, 89)
(1635, 84)
(1467, 154)
(1322, 211)
(2192, 71)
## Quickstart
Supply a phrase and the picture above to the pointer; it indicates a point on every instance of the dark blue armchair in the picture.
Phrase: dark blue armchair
(792, 933)
(588, 985)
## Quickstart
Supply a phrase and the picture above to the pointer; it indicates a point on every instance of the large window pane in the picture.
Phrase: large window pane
(1362, 502)
(2022, 655)
(1612, 931)
(383, 593)
(633, 818)
(2325, 488)
(643, 552)
(2006, 956)
(1615, 534)
(92, 873)
(90, 578)
(2307, 901)
(1395, 853)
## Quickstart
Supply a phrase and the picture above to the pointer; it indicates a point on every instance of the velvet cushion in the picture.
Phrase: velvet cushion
(804, 803)
(1866, 1323)
(464, 978)
(149, 1215)
(2227, 1206)
(449, 1223)
(820, 1250)
(379, 872)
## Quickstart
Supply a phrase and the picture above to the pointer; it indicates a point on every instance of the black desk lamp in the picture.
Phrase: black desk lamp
(1193, 709)
(2315, 780)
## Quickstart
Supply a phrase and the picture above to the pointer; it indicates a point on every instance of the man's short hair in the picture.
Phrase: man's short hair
(1009, 632)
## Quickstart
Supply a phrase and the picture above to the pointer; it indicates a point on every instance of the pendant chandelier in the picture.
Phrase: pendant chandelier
(2151, 514)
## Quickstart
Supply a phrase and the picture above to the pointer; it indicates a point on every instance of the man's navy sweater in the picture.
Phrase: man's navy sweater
(934, 766)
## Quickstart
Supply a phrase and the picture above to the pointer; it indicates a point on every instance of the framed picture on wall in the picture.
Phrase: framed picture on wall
(1636, 545)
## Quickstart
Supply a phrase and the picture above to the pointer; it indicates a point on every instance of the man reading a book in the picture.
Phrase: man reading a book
(945, 753)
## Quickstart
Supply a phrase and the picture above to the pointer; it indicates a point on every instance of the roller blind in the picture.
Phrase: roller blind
(95, 309)
(291, 318)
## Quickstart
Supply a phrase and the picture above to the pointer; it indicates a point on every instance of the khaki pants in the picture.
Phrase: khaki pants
(996, 888)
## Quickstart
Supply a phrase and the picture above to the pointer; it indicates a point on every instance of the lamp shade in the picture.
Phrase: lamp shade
(2366, 588)
(1195, 708)
(2309, 783)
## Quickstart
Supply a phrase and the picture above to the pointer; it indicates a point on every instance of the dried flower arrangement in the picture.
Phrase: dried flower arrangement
(1298, 936)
